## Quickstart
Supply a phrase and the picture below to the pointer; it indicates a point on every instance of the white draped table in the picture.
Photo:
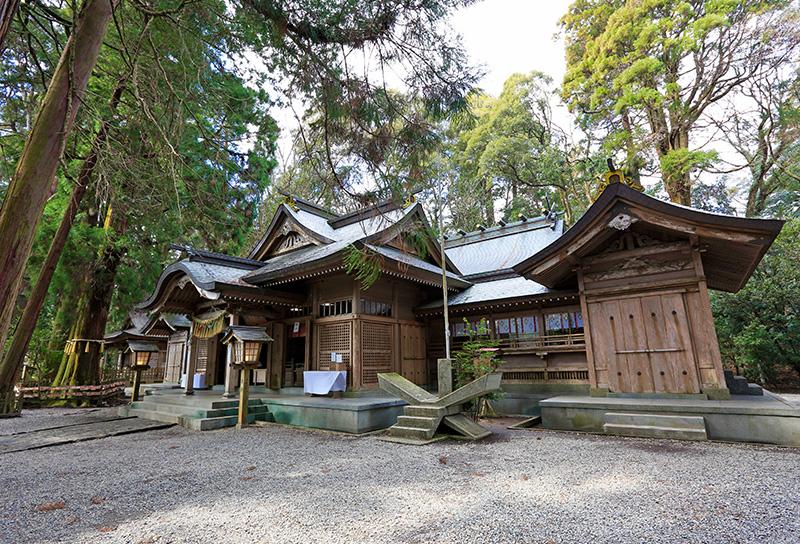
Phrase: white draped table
(322, 382)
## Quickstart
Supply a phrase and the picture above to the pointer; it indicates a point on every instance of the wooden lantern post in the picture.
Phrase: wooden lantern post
(246, 342)
(141, 362)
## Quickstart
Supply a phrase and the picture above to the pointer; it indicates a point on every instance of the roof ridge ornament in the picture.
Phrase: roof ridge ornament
(290, 201)
(614, 175)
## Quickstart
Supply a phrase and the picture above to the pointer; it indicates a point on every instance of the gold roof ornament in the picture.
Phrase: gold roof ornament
(290, 201)
(615, 176)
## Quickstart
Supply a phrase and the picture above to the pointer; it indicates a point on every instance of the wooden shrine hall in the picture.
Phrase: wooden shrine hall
(617, 304)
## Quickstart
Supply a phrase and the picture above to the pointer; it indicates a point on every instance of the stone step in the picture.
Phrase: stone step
(423, 411)
(418, 422)
(412, 433)
(213, 423)
(754, 389)
(200, 423)
(467, 427)
(655, 420)
(194, 411)
(653, 431)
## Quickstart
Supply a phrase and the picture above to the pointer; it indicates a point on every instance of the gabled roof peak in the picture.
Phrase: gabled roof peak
(295, 201)
(368, 212)
(501, 229)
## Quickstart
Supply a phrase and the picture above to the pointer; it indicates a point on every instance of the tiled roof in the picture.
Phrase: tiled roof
(411, 260)
(493, 290)
(501, 248)
(207, 273)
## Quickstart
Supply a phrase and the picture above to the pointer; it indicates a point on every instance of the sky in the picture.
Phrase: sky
(510, 36)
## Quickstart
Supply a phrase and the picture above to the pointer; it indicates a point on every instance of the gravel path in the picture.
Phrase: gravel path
(282, 485)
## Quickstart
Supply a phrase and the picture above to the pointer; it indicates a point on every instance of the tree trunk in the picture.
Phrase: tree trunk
(488, 204)
(15, 355)
(8, 8)
(678, 184)
(33, 179)
(32, 182)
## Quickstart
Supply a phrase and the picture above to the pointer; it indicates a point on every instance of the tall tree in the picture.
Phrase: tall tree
(513, 152)
(333, 57)
(763, 127)
(33, 180)
(650, 71)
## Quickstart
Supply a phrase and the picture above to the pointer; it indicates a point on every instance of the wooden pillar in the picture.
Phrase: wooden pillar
(231, 374)
(594, 386)
(244, 397)
(137, 380)
(190, 362)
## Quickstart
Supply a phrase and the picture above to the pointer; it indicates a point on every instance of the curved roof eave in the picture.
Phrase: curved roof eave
(171, 271)
(769, 228)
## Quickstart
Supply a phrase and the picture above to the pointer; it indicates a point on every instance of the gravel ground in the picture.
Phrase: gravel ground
(283, 485)
(32, 420)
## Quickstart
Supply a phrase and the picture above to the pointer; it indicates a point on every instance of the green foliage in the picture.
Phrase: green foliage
(759, 327)
(644, 74)
(364, 265)
(513, 152)
(477, 356)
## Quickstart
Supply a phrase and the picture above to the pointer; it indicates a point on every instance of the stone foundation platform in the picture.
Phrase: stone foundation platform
(766, 419)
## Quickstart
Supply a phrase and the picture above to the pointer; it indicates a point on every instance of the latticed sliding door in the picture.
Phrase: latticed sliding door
(335, 338)
(377, 340)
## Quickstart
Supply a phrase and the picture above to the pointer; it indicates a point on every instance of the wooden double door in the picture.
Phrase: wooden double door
(644, 344)
(413, 365)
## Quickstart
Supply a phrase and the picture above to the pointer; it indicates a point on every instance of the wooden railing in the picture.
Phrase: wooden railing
(542, 342)
(151, 375)
(529, 343)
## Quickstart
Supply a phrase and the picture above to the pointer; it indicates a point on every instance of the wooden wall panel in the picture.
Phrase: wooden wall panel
(704, 336)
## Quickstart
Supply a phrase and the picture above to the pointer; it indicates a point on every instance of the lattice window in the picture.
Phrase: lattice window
(339, 307)
(375, 307)
(376, 351)
(334, 338)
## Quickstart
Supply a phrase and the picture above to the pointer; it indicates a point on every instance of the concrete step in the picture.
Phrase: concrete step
(418, 422)
(197, 402)
(655, 420)
(412, 433)
(423, 411)
(653, 431)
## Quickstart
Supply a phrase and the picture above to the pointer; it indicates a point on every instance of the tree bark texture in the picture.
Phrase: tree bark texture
(32, 183)
(8, 8)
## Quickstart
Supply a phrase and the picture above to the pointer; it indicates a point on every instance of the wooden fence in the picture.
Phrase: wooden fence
(96, 392)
